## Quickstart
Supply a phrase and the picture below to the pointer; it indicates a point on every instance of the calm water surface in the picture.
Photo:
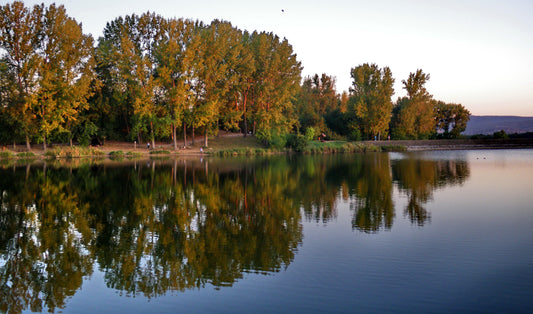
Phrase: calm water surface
(399, 232)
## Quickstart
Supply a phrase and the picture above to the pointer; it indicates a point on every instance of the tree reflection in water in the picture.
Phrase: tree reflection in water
(419, 178)
(159, 226)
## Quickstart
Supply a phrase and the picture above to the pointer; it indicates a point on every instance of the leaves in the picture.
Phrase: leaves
(52, 63)
(371, 94)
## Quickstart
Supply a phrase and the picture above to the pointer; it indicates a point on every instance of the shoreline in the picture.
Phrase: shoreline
(130, 150)
(459, 144)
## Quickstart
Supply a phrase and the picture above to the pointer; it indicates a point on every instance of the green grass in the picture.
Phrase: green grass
(249, 146)
(246, 151)
(332, 147)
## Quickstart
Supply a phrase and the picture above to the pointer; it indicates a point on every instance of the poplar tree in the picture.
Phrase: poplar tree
(238, 81)
(66, 72)
(316, 99)
(175, 72)
(51, 61)
(244, 69)
(216, 52)
(20, 38)
(132, 41)
(371, 93)
(415, 114)
(277, 80)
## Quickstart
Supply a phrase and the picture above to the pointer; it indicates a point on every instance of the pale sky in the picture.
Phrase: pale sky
(479, 53)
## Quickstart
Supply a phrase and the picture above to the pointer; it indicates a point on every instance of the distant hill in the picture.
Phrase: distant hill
(491, 124)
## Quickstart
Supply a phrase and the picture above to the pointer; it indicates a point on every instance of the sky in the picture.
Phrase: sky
(479, 53)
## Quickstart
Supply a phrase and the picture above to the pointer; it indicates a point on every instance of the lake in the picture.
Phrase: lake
(444, 231)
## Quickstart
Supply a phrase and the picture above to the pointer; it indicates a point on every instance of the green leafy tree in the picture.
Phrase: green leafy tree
(277, 78)
(241, 90)
(415, 114)
(51, 61)
(20, 39)
(238, 80)
(315, 100)
(128, 46)
(453, 116)
(67, 71)
(371, 93)
(218, 50)
(175, 72)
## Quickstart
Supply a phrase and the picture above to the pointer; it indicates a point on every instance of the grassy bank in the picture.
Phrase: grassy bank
(313, 147)
(236, 145)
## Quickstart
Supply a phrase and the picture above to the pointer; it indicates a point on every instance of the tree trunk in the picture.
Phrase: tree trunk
(28, 146)
(192, 136)
(44, 143)
(184, 134)
(205, 137)
(174, 137)
(244, 116)
(70, 141)
(152, 134)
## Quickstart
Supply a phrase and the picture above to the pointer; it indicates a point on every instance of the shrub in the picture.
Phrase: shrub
(500, 135)
(133, 154)
(85, 132)
(116, 154)
(310, 133)
(393, 148)
(6, 154)
(271, 139)
(355, 135)
(159, 152)
(26, 155)
(95, 152)
(297, 142)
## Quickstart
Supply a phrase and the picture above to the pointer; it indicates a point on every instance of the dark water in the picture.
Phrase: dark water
(415, 232)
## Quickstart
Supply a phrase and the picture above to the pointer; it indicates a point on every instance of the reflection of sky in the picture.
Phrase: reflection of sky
(476, 255)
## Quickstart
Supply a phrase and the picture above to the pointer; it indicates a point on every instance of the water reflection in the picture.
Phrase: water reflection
(418, 178)
(159, 226)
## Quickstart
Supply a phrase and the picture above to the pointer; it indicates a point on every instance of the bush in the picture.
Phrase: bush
(393, 148)
(272, 139)
(355, 135)
(133, 154)
(297, 142)
(85, 132)
(116, 154)
(310, 133)
(159, 152)
(6, 154)
(73, 152)
(500, 135)
(25, 155)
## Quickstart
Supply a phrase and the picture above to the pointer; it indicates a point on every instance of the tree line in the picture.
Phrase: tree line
(152, 78)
